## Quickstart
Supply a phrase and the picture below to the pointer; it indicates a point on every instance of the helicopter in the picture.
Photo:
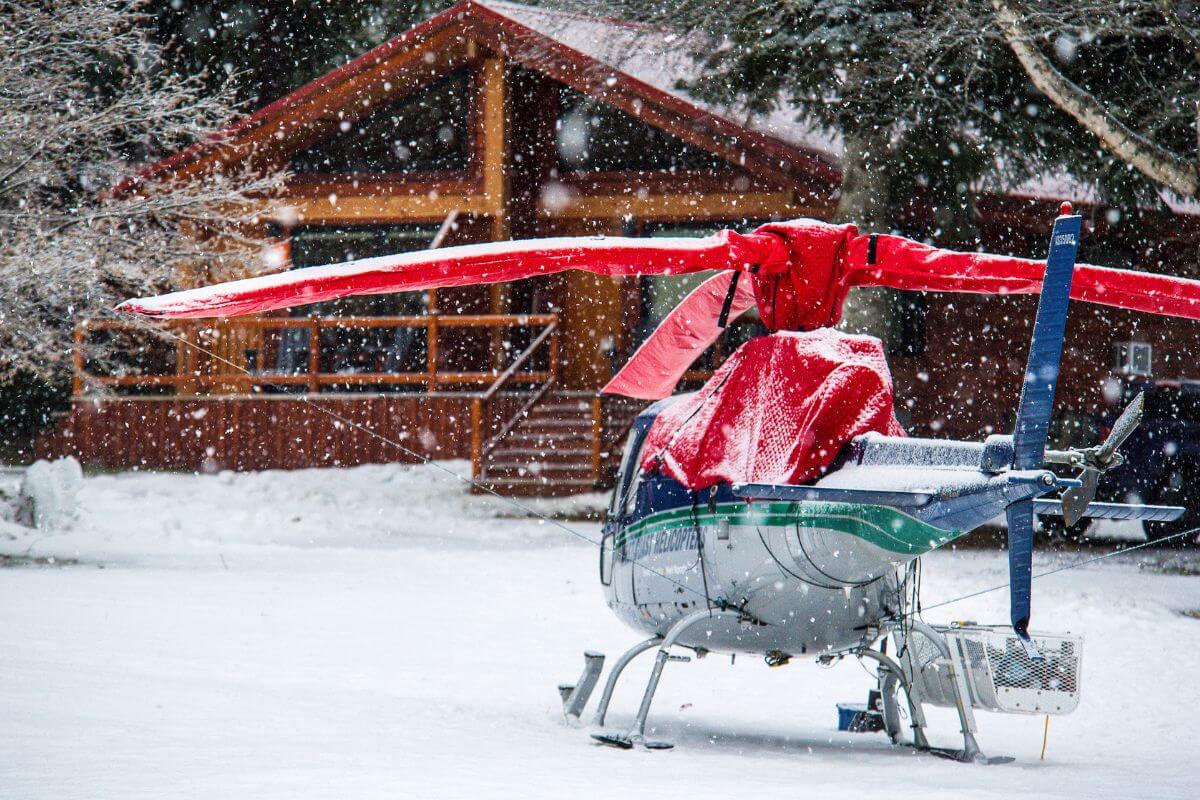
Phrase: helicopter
(780, 511)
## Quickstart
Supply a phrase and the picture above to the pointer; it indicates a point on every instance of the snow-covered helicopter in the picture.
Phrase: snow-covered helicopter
(780, 509)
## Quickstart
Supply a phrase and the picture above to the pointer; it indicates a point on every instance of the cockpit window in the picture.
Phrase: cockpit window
(632, 492)
(629, 476)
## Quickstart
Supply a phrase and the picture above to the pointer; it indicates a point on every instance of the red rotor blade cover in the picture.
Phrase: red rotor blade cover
(904, 264)
(658, 365)
(828, 260)
(494, 262)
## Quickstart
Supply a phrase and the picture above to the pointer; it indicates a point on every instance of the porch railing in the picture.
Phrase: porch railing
(197, 341)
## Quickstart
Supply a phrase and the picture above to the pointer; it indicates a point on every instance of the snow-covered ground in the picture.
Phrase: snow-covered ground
(376, 632)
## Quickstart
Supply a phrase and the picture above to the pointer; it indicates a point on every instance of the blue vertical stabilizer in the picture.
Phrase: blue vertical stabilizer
(1045, 349)
(1037, 403)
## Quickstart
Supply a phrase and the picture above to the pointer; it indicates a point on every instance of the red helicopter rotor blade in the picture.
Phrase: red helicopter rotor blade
(465, 265)
(904, 264)
(691, 327)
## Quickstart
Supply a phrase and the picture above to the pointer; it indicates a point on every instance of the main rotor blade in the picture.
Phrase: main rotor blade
(900, 263)
(1020, 564)
(691, 327)
(472, 264)
(805, 266)
(1126, 424)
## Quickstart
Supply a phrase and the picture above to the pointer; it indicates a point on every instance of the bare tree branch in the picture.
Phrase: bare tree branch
(1152, 160)
(85, 98)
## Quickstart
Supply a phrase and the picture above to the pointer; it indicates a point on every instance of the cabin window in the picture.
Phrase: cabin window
(596, 137)
(607, 553)
(357, 350)
(428, 131)
(628, 469)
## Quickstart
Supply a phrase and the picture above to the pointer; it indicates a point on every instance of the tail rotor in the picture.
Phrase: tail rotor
(1097, 460)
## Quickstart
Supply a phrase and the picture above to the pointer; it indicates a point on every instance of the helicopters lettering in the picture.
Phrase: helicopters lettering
(712, 546)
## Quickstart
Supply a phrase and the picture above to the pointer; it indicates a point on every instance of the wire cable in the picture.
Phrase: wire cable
(1056, 570)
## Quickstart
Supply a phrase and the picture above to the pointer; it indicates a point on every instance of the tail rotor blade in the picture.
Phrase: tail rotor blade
(1130, 418)
(1045, 347)
(1075, 500)
(1020, 564)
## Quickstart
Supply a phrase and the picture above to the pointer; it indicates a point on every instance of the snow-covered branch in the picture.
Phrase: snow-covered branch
(85, 100)
(1155, 162)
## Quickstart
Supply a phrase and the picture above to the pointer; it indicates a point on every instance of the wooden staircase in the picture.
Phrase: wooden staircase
(565, 443)
(542, 440)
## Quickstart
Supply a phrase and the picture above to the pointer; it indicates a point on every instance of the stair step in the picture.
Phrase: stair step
(557, 422)
(564, 408)
(572, 394)
(534, 465)
(546, 487)
(536, 438)
(531, 454)
(557, 436)
(537, 470)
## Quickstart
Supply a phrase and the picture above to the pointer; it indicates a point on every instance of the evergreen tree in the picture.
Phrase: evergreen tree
(270, 47)
(925, 113)
(1126, 71)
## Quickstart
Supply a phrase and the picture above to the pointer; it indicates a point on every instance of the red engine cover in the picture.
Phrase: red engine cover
(778, 411)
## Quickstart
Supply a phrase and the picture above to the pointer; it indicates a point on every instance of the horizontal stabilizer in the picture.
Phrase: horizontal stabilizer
(1114, 511)
(828, 494)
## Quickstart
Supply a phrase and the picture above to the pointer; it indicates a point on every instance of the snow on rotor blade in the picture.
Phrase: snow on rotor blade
(492, 262)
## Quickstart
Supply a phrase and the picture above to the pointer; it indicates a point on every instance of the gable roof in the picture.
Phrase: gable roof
(603, 58)
(635, 67)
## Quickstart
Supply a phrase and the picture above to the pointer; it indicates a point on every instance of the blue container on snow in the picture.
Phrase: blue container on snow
(857, 718)
(846, 714)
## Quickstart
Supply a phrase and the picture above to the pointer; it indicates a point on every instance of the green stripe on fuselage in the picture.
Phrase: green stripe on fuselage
(882, 526)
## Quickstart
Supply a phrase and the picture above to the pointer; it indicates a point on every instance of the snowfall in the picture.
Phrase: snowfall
(379, 632)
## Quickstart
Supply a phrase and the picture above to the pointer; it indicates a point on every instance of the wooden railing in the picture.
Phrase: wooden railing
(480, 406)
(193, 337)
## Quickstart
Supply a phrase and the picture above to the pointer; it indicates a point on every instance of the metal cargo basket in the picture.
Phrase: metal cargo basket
(997, 674)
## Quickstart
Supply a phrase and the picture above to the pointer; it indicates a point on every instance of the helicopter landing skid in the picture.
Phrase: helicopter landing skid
(637, 733)
(964, 757)
(575, 696)
(626, 742)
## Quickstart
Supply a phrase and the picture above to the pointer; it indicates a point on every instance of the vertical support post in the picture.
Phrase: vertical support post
(439, 238)
(494, 123)
(554, 352)
(314, 355)
(493, 105)
(431, 351)
(186, 365)
(597, 435)
(77, 358)
(477, 438)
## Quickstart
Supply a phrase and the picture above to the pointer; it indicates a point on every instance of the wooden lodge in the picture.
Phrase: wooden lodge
(495, 121)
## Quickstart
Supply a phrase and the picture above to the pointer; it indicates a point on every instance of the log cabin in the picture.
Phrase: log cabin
(494, 121)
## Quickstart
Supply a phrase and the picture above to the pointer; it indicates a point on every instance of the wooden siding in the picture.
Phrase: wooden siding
(250, 433)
